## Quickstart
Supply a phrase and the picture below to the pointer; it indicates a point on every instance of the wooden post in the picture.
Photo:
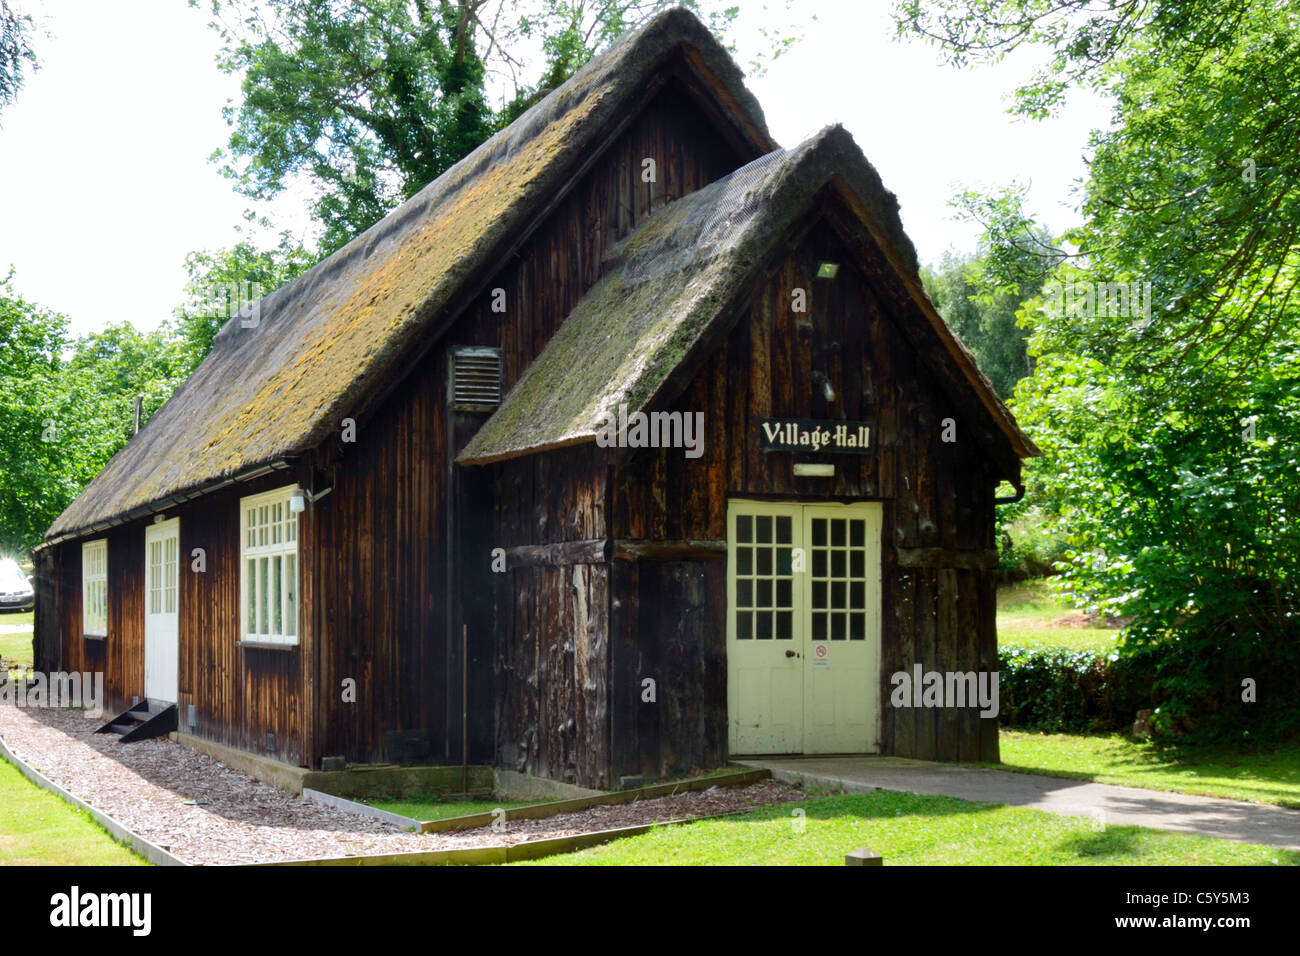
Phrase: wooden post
(464, 709)
(863, 857)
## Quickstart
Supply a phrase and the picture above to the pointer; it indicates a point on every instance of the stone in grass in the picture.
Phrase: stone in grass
(863, 857)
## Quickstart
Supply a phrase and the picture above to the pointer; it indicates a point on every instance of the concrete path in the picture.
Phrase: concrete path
(1112, 805)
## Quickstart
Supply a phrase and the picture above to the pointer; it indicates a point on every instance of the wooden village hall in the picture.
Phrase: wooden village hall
(628, 445)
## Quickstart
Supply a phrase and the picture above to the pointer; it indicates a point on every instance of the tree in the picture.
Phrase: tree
(980, 295)
(1196, 185)
(988, 328)
(55, 434)
(1169, 434)
(370, 100)
(66, 407)
(16, 54)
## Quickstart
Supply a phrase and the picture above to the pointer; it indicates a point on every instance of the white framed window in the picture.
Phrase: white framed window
(268, 535)
(94, 588)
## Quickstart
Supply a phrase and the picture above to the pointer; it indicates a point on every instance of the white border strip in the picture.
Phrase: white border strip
(150, 851)
(342, 803)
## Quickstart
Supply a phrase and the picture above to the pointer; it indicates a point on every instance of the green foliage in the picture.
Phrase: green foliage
(1184, 518)
(16, 54)
(980, 295)
(1062, 690)
(371, 99)
(1027, 547)
(1086, 37)
(987, 326)
(1071, 691)
(1170, 439)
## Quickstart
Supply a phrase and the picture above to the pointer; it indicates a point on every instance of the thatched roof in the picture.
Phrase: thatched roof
(682, 272)
(327, 341)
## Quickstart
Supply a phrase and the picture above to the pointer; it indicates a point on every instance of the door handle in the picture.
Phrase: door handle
(791, 654)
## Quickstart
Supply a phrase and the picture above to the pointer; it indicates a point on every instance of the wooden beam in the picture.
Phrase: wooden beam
(559, 554)
(690, 550)
(943, 558)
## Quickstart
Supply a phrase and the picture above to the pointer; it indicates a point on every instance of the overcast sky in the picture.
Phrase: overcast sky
(107, 185)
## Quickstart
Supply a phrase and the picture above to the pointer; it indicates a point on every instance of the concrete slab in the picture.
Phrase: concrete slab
(1112, 805)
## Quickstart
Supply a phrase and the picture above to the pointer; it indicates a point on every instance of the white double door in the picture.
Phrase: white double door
(162, 545)
(803, 627)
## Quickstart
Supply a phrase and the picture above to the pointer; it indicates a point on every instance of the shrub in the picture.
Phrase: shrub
(1195, 696)
(1066, 691)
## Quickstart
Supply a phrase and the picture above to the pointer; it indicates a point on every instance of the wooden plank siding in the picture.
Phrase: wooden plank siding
(240, 694)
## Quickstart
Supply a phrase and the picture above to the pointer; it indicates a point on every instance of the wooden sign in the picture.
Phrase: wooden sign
(812, 435)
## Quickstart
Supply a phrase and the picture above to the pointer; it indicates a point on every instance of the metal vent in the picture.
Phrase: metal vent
(476, 378)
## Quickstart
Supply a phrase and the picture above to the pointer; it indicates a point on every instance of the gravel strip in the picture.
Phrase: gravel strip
(205, 812)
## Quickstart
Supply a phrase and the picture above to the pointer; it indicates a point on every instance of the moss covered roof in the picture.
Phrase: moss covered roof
(330, 339)
(676, 276)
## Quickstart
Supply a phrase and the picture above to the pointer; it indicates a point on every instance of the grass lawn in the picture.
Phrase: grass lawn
(1028, 613)
(39, 829)
(430, 807)
(1272, 777)
(16, 649)
(912, 830)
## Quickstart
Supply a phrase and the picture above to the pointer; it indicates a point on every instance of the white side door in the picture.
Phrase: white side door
(765, 642)
(161, 610)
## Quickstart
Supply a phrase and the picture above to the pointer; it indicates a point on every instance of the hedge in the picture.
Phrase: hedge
(1070, 691)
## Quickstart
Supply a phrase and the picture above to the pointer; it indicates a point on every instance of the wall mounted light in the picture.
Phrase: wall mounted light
(827, 270)
(808, 469)
(298, 500)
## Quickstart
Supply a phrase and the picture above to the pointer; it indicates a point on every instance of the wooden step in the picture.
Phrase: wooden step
(142, 721)
(157, 725)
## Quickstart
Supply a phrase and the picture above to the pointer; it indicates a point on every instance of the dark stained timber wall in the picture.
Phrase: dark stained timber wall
(240, 694)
